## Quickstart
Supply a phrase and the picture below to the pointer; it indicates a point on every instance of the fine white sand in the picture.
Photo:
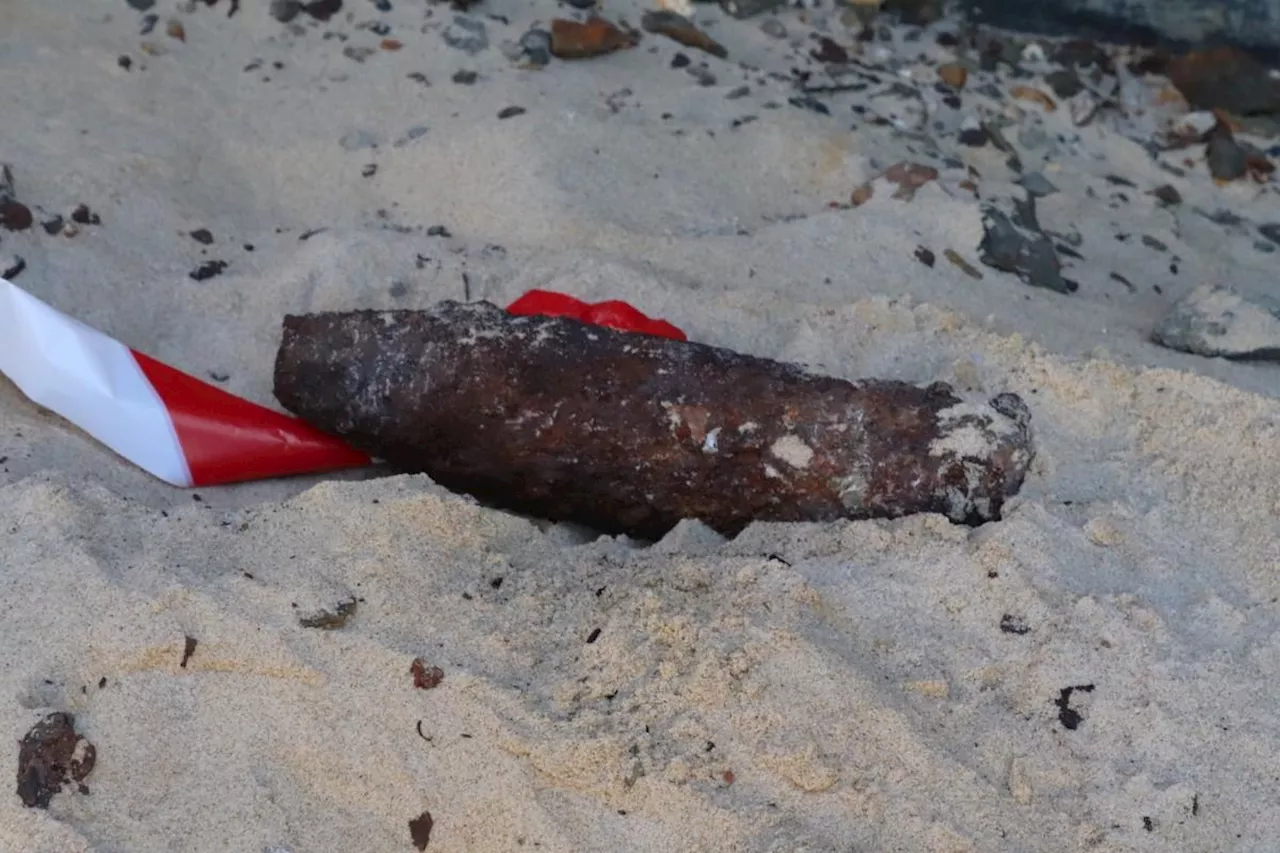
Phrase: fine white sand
(801, 688)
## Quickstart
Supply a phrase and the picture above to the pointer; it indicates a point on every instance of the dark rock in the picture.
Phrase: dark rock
(11, 266)
(1017, 245)
(1167, 194)
(82, 215)
(974, 137)
(828, 51)
(681, 60)
(322, 10)
(1271, 231)
(1152, 243)
(511, 112)
(925, 256)
(208, 270)
(808, 102)
(50, 757)
(1226, 158)
(1216, 321)
(1065, 83)
(464, 78)
(141, 5)
(284, 11)
(203, 236)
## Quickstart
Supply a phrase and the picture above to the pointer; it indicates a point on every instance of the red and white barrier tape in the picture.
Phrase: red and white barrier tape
(178, 428)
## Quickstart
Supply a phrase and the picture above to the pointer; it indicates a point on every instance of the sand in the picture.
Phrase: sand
(1097, 671)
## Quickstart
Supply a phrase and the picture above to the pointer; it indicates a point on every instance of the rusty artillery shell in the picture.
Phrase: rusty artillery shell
(630, 433)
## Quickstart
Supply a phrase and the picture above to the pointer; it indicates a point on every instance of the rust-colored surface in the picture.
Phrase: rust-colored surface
(582, 40)
(630, 433)
(1225, 78)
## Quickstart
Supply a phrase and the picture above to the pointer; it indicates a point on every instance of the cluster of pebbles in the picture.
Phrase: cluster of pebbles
(986, 114)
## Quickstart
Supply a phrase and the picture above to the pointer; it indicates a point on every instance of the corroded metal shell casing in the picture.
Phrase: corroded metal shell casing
(630, 433)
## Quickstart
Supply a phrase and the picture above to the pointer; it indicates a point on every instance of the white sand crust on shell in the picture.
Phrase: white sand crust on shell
(803, 687)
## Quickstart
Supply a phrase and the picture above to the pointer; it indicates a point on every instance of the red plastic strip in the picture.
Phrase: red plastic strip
(613, 313)
(228, 439)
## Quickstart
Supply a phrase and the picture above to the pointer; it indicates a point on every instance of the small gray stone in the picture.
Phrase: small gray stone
(749, 8)
(284, 11)
(355, 140)
(1271, 231)
(466, 35)
(1017, 245)
(1037, 184)
(774, 28)
(1216, 321)
(141, 5)
(536, 45)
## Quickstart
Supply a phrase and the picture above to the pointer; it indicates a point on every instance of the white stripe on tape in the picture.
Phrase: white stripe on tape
(91, 380)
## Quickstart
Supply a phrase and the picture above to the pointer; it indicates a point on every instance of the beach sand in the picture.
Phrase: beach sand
(1096, 671)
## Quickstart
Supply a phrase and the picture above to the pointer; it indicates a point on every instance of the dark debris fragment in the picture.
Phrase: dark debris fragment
(51, 756)
(330, 620)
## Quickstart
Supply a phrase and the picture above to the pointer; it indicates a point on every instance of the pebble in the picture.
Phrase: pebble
(11, 265)
(356, 140)
(284, 11)
(1082, 107)
(208, 270)
(511, 112)
(464, 78)
(1226, 159)
(1271, 231)
(1065, 84)
(1216, 321)
(1167, 194)
(466, 35)
(953, 74)
(773, 28)
(203, 236)
(141, 5)
(536, 44)
(750, 8)
(1017, 245)
(1037, 184)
